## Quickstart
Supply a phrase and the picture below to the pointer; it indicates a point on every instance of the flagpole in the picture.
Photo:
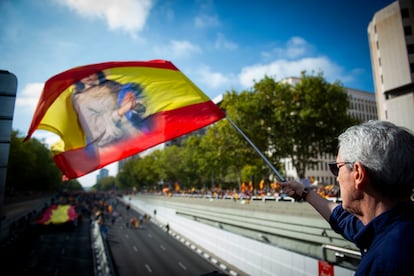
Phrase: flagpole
(281, 178)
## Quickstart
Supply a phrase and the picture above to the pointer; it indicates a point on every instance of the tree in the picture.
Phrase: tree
(306, 118)
(192, 175)
(249, 110)
(126, 178)
(105, 184)
(72, 185)
(30, 166)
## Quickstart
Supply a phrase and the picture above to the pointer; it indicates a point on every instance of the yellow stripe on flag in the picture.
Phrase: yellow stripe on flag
(165, 89)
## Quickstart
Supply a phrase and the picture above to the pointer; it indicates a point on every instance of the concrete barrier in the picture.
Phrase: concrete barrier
(101, 260)
(251, 256)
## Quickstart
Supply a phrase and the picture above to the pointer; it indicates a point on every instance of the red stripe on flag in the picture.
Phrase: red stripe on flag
(166, 125)
(58, 83)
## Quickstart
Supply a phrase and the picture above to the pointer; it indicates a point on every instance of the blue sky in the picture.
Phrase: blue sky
(220, 45)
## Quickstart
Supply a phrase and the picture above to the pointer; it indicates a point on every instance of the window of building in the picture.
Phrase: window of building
(410, 48)
(408, 31)
(377, 44)
(405, 13)
(412, 68)
(379, 61)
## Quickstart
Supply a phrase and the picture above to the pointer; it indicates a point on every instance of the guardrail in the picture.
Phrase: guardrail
(102, 263)
(303, 237)
(341, 255)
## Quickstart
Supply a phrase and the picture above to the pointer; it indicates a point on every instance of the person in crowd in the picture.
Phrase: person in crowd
(375, 170)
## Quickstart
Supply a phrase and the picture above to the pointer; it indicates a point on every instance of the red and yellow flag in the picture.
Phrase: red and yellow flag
(261, 184)
(251, 187)
(58, 214)
(109, 111)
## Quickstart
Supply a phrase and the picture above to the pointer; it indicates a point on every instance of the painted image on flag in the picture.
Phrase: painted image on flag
(109, 111)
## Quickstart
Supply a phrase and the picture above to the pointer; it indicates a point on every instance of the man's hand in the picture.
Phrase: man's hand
(293, 189)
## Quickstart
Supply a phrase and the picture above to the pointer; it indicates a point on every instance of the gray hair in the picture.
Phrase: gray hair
(386, 151)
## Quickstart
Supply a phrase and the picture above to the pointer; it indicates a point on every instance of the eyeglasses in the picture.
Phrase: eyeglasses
(335, 166)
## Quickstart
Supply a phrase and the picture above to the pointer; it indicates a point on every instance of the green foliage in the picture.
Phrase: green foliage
(106, 184)
(307, 118)
(72, 185)
(31, 167)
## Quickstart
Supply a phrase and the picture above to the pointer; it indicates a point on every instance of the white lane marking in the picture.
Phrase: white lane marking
(148, 268)
(135, 248)
(162, 247)
(182, 266)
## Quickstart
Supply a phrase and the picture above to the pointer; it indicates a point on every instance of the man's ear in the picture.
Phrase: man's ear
(360, 175)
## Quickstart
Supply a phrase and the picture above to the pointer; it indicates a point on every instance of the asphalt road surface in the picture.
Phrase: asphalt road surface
(151, 250)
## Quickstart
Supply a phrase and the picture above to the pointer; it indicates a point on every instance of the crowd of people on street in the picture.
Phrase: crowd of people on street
(264, 191)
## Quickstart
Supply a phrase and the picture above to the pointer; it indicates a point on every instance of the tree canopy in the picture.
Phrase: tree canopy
(31, 168)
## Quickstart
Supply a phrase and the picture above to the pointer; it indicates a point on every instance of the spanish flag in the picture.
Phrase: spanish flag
(109, 111)
(58, 214)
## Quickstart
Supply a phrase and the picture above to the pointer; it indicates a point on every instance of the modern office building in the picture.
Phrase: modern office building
(8, 89)
(391, 42)
(102, 174)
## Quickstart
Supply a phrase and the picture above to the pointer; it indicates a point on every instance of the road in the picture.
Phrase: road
(151, 250)
(67, 250)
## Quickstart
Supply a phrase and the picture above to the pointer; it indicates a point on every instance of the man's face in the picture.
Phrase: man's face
(346, 184)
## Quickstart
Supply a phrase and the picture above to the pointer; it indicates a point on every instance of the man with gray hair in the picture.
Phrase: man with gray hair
(375, 171)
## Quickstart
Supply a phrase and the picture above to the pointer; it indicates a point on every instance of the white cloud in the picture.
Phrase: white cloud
(283, 68)
(223, 43)
(206, 21)
(295, 56)
(295, 47)
(177, 49)
(29, 95)
(214, 79)
(128, 15)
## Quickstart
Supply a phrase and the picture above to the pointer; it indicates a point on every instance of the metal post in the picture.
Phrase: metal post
(281, 178)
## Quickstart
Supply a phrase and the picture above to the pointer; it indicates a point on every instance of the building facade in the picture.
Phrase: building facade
(391, 42)
(102, 174)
